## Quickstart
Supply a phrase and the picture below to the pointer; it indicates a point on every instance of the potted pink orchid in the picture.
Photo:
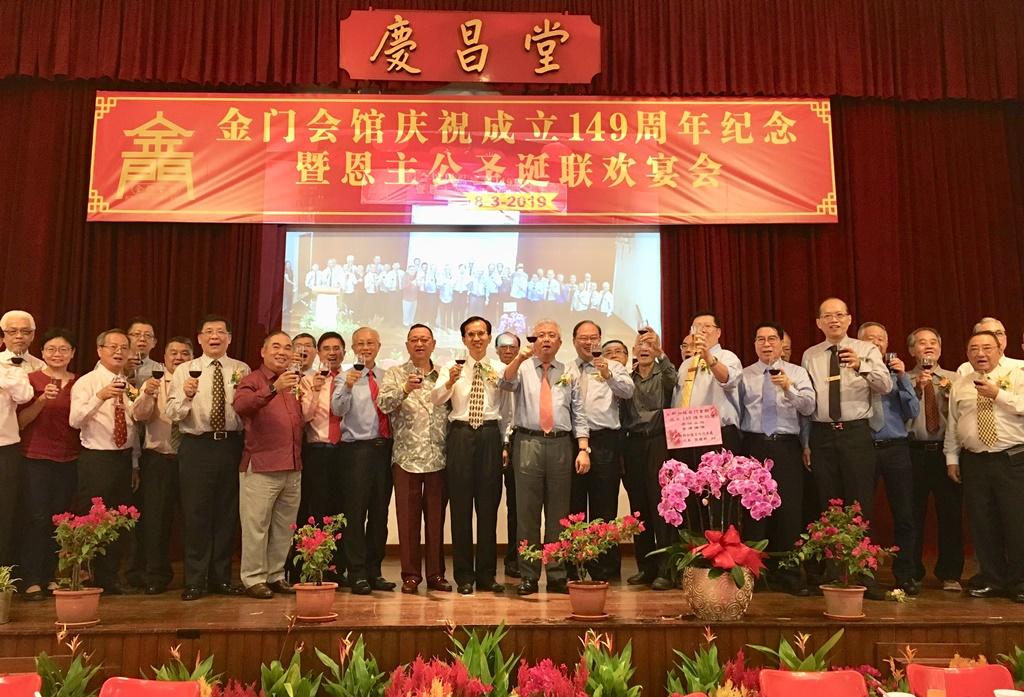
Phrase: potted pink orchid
(718, 567)
(315, 545)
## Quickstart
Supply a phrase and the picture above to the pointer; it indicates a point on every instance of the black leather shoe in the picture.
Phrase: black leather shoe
(798, 591)
(465, 589)
(986, 592)
(155, 589)
(259, 591)
(640, 578)
(34, 596)
(118, 589)
(557, 587)
(281, 586)
(439, 583)
(361, 587)
(410, 586)
(226, 589)
(491, 586)
(192, 593)
(909, 586)
(1018, 597)
(874, 592)
(661, 584)
(526, 587)
(511, 572)
(382, 584)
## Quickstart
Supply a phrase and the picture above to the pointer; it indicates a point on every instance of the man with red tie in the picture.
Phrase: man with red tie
(321, 464)
(269, 480)
(99, 409)
(365, 464)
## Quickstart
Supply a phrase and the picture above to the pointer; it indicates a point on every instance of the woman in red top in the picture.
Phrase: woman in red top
(50, 448)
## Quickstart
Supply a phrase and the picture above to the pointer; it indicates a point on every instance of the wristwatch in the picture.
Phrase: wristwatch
(714, 362)
(585, 450)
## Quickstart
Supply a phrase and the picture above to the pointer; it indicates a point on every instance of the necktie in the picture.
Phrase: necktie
(986, 421)
(120, 424)
(547, 412)
(931, 408)
(769, 409)
(384, 425)
(476, 397)
(835, 407)
(691, 376)
(333, 422)
(217, 420)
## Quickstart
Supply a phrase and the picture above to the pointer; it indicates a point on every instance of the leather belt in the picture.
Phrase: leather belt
(774, 437)
(839, 425)
(932, 446)
(890, 442)
(215, 435)
(541, 434)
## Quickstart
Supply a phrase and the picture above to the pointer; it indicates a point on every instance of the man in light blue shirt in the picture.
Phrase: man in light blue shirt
(775, 394)
(889, 417)
(365, 454)
(548, 414)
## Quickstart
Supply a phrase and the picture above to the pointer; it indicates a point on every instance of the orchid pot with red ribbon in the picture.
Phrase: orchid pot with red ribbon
(714, 498)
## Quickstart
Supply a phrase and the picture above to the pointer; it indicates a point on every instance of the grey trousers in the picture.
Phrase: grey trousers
(543, 468)
(267, 505)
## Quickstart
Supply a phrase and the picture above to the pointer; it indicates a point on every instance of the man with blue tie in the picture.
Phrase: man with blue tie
(889, 419)
(548, 413)
(775, 395)
(365, 455)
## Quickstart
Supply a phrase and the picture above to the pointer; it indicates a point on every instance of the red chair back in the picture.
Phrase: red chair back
(130, 687)
(977, 681)
(923, 678)
(20, 684)
(834, 683)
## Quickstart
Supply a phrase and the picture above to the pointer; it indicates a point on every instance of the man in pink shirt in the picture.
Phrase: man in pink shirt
(268, 400)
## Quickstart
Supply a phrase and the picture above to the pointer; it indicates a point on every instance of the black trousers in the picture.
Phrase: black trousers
(786, 523)
(208, 478)
(993, 492)
(512, 548)
(48, 489)
(844, 464)
(643, 455)
(366, 495)
(897, 473)
(322, 486)
(596, 493)
(107, 474)
(473, 474)
(931, 480)
(10, 475)
(159, 495)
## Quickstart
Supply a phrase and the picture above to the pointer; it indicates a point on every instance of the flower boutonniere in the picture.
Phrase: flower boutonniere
(945, 384)
(432, 375)
(1003, 383)
(702, 366)
(131, 392)
(236, 377)
(565, 379)
(489, 373)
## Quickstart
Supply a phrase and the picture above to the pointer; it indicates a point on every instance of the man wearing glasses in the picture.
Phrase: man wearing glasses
(142, 338)
(100, 402)
(19, 329)
(200, 402)
(985, 324)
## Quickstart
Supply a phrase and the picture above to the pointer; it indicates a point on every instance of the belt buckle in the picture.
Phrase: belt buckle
(220, 435)
(549, 434)
(838, 426)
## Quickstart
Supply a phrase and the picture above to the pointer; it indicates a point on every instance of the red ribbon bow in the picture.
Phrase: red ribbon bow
(725, 550)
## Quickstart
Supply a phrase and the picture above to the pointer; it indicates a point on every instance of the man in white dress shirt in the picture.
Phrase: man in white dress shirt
(199, 401)
(984, 449)
(100, 402)
(14, 390)
(19, 329)
(473, 453)
(991, 324)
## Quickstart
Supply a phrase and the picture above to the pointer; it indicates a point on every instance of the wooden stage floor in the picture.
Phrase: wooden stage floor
(137, 631)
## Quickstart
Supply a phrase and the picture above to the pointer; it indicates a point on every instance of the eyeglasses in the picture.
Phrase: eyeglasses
(766, 340)
(702, 327)
(829, 316)
(19, 332)
(116, 348)
(214, 332)
(57, 349)
(142, 335)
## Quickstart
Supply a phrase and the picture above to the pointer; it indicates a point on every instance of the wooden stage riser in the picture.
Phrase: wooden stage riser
(240, 653)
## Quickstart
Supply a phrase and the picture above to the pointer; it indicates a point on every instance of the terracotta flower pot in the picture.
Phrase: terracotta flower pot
(718, 599)
(78, 608)
(587, 598)
(843, 602)
(313, 602)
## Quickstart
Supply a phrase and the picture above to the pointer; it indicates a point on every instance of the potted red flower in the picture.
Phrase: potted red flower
(840, 539)
(315, 545)
(81, 538)
(578, 543)
(718, 567)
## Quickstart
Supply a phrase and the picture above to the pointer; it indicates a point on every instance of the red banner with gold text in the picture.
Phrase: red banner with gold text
(321, 158)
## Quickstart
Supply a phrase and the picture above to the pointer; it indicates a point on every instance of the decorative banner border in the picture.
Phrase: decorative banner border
(554, 160)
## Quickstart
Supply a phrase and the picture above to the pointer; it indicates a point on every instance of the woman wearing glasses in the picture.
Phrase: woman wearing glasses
(50, 449)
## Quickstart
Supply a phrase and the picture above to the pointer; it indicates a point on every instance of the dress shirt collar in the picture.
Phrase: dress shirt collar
(538, 364)
(269, 374)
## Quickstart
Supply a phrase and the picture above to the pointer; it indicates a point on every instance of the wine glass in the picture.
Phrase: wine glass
(158, 371)
(532, 339)
(461, 357)
(193, 373)
(595, 349)
(17, 360)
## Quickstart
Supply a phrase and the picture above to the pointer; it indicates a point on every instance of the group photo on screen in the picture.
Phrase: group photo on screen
(391, 279)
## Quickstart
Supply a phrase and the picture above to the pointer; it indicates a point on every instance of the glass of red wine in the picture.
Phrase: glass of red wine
(17, 360)
(195, 373)
(359, 366)
(774, 371)
(595, 349)
(928, 364)
(158, 372)
(532, 339)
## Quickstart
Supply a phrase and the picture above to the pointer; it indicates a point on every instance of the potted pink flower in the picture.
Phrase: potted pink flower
(718, 567)
(315, 545)
(81, 538)
(840, 539)
(580, 542)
